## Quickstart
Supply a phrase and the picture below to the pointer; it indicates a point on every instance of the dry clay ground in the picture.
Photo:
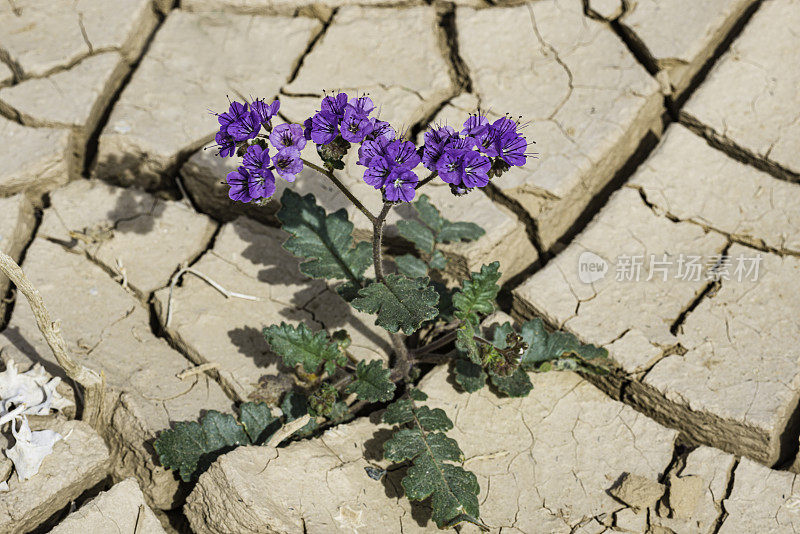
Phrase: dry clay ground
(663, 126)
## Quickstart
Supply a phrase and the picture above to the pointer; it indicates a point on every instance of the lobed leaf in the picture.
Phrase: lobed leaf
(443, 230)
(295, 406)
(299, 345)
(478, 293)
(453, 232)
(258, 422)
(324, 240)
(191, 447)
(438, 261)
(516, 385)
(401, 303)
(465, 342)
(429, 214)
(454, 490)
(544, 346)
(470, 376)
(372, 382)
(417, 233)
(411, 266)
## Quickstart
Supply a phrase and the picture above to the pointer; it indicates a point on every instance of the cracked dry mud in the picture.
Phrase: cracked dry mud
(662, 127)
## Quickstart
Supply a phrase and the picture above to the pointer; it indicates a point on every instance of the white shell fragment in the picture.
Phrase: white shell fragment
(31, 448)
(34, 388)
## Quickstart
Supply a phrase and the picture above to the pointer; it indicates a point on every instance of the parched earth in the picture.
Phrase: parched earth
(660, 220)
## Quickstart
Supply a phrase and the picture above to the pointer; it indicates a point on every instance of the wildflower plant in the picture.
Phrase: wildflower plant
(426, 320)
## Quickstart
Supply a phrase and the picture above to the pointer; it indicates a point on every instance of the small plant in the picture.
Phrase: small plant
(407, 303)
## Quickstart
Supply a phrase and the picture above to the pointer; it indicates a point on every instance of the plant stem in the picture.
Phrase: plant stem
(92, 382)
(432, 346)
(403, 363)
(430, 177)
(357, 203)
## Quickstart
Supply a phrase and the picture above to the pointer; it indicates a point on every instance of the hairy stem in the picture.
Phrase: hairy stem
(92, 382)
(403, 363)
(432, 346)
(332, 177)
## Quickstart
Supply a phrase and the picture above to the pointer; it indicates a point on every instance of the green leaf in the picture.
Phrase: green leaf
(325, 240)
(453, 232)
(258, 422)
(399, 412)
(432, 420)
(438, 261)
(500, 333)
(294, 406)
(417, 394)
(465, 342)
(429, 214)
(417, 233)
(190, 448)
(299, 345)
(340, 413)
(411, 266)
(372, 383)
(478, 293)
(444, 230)
(401, 303)
(548, 347)
(516, 385)
(454, 490)
(469, 376)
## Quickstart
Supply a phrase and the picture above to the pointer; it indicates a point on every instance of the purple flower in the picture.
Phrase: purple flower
(287, 135)
(475, 125)
(451, 166)
(404, 153)
(246, 127)
(487, 142)
(436, 141)
(265, 112)
(246, 187)
(288, 163)
(307, 124)
(335, 104)
(511, 149)
(401, 185)
(476, 168)
(257, 161)
(466, 143)
(439, 135)
(464, 168)
(226, 144)
(355, 126)
(381, 129)
(378, 171)
(370, 149)
(324, 127)
(505, 126)
(363, 105)
(236, 111)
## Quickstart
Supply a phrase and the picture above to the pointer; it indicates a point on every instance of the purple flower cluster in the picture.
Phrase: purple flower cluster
(347, 117)
(469, 158)
(390, 164)
(390, 161)
(240, 132)
(465, 159)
